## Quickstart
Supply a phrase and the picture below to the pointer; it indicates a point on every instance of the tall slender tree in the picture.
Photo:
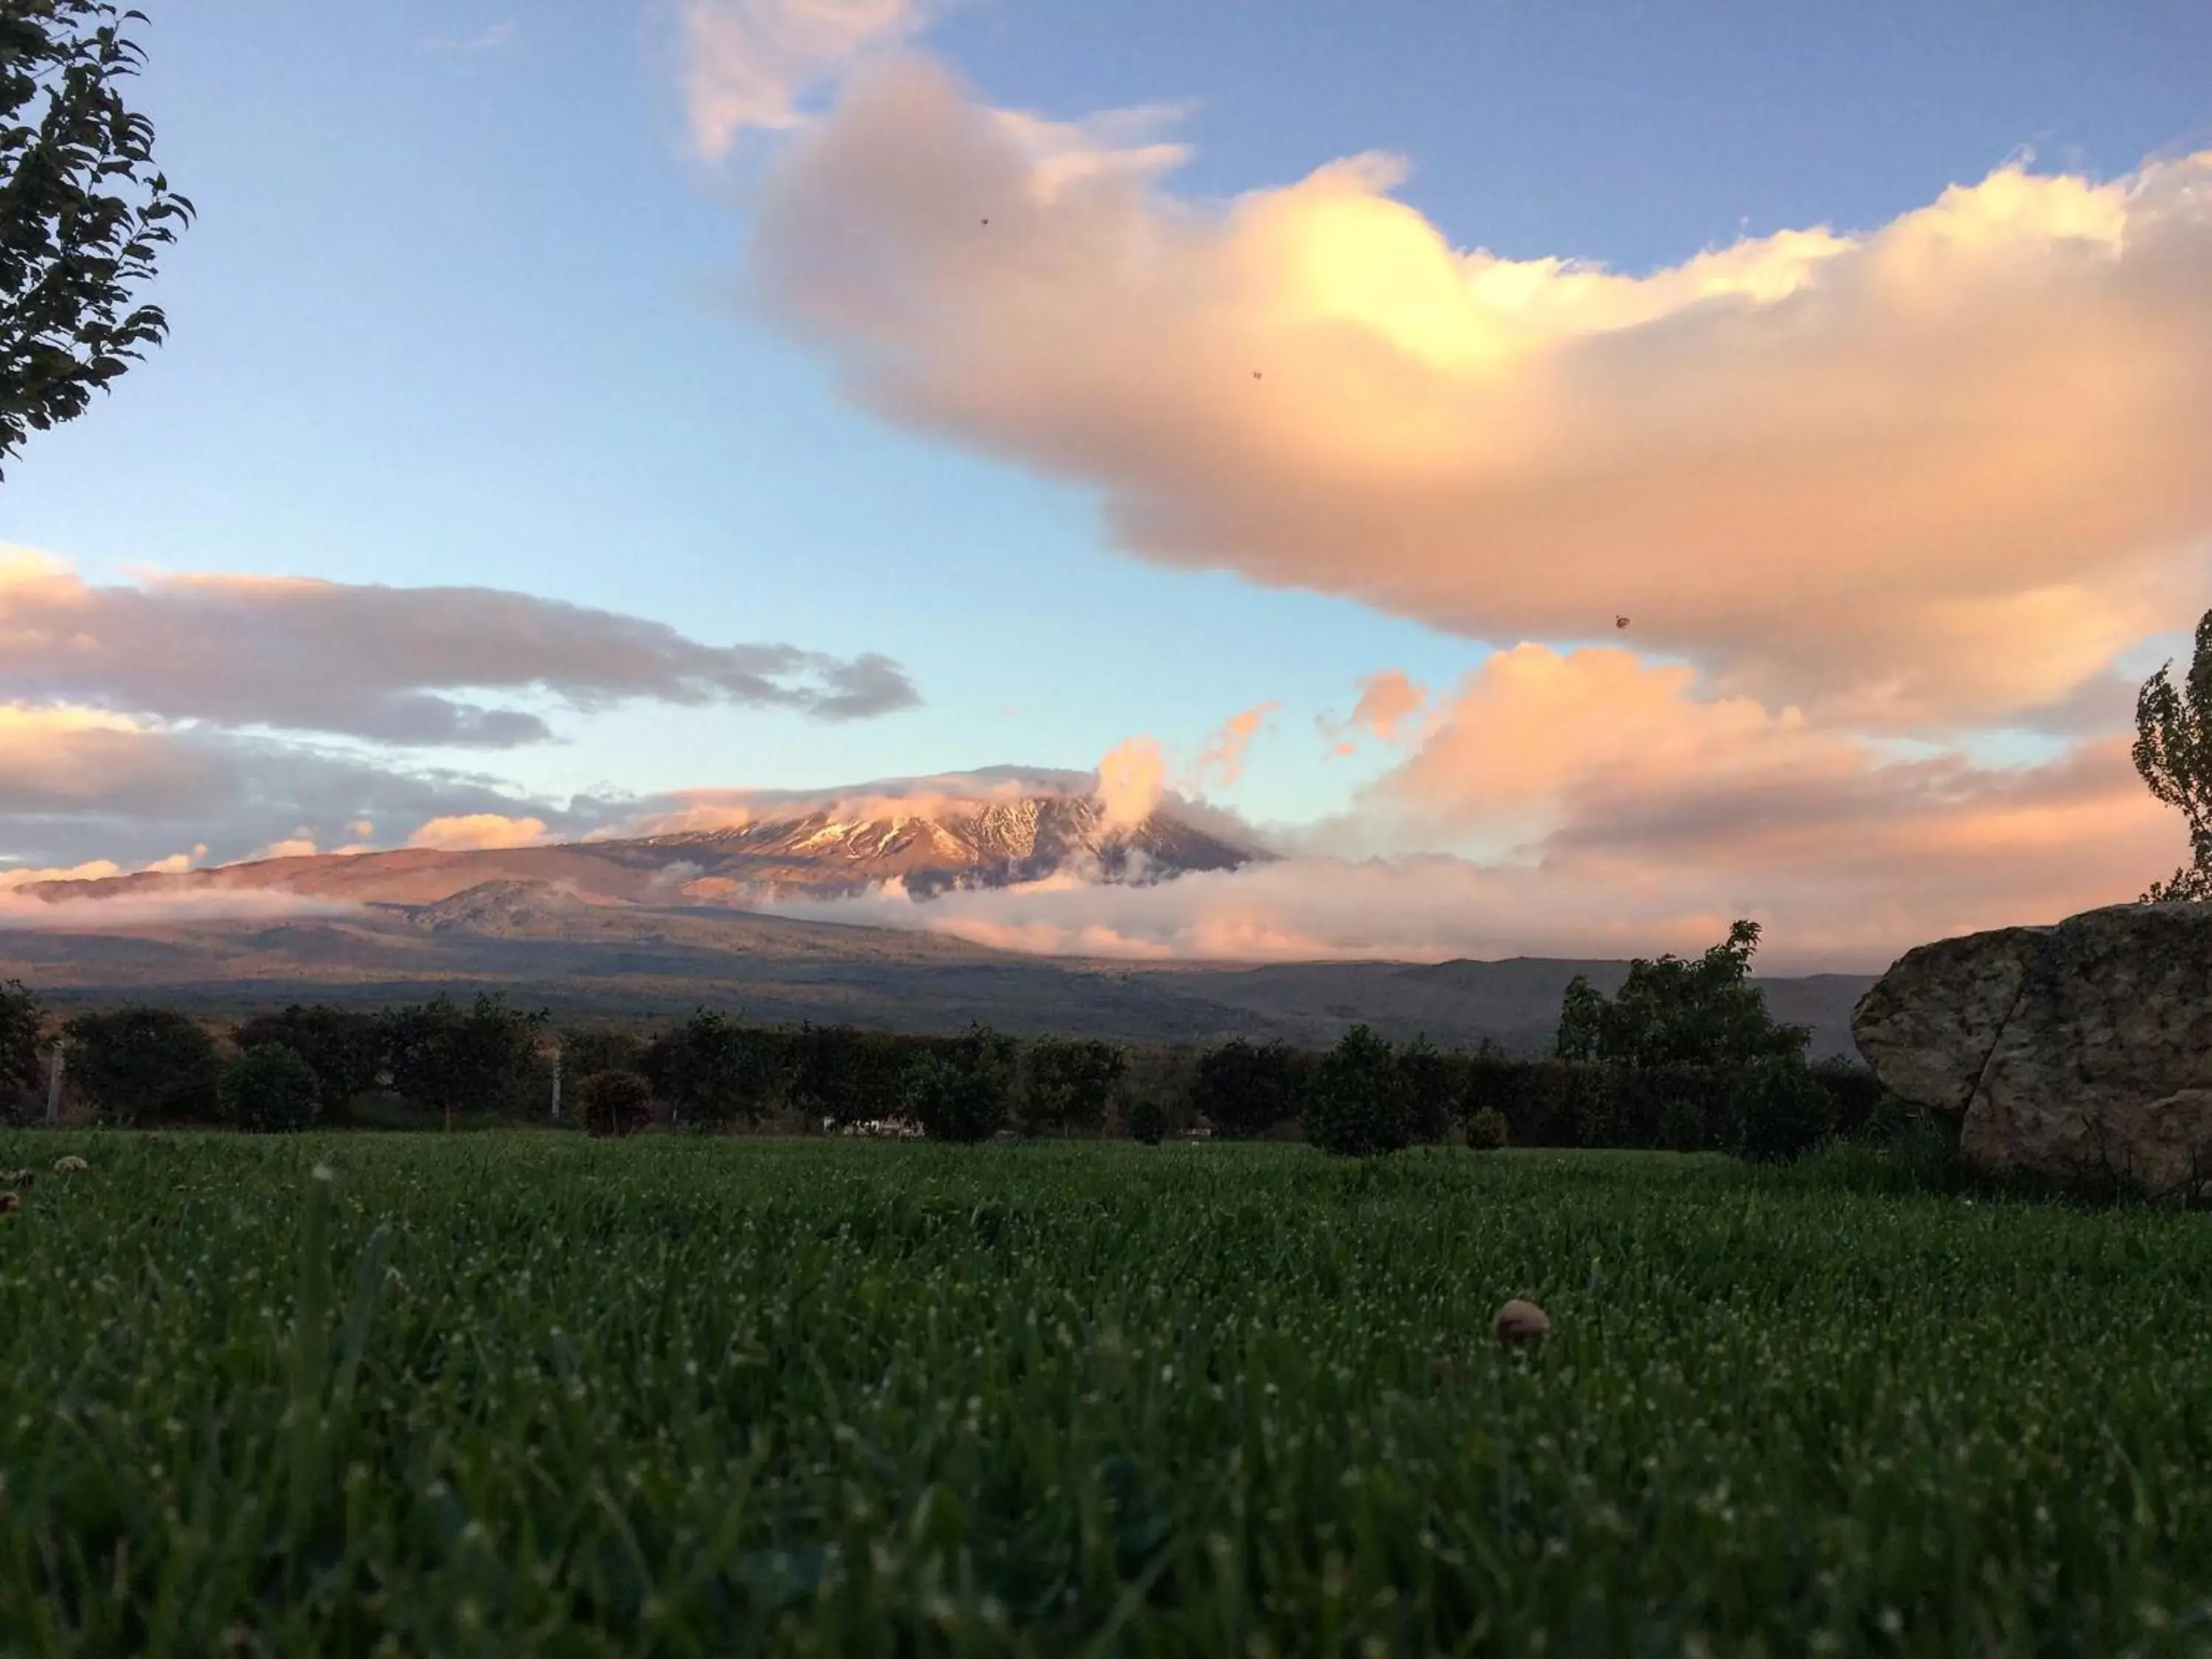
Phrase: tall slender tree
(2173, 752)
(83, 211)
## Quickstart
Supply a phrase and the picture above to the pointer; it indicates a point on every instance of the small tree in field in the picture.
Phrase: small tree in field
(1358, 1104)
(83, 210)
(1066, 1085)
(963, 1093)
(1244, 1089)
(1673, 1013)
(1432, 1081)
(458, 1060)
(714, 1071)
(145, 1066)
(268, 1090)
(345, 1050)
(2173, 752)
(1148, 1120)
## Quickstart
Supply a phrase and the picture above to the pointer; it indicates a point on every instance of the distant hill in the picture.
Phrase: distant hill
(544, 944)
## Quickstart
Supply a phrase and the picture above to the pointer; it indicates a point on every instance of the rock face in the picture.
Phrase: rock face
(2077, 1051)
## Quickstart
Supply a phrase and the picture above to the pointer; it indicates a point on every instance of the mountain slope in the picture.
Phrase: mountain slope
(545, 947)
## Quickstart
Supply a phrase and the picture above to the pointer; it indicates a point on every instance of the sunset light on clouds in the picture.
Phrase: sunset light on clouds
(937, 408)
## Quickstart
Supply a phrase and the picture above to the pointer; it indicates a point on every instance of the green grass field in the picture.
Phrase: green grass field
(516, 1394)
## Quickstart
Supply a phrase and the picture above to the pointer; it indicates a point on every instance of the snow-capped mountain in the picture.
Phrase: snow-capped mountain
(818, 848)
(954, 844)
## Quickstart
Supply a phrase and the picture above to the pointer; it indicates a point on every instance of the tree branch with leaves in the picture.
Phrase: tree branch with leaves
(2173, 752)
(83, 211)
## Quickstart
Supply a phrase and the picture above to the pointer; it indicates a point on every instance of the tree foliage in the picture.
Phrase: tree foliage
(345, 1049)
(144, 1064)
(1067, 1083)
(270, 1089)
(963, 1092)
(850, 1075)
(1357, 1101)
(456, 1060)
(714, 1071)
(2173, 752)
(1677, 1012)
(20, 1020)
(83, 211)
(1245, 1089)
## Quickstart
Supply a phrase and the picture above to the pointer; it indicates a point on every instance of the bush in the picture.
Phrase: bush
(965, 1093)
(145, 1066)
(270, 1090)
(1855, 1095)
(1245, 1089)
(614, 1103)
(1781, 1111)
(1358, 1104)
(1486, 1130)
(1148, 1120)
(347, 1051)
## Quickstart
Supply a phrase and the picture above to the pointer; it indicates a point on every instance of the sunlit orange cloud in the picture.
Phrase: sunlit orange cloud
(1598, 806)
(1936, 472)
(477, 831)
(1223, 753)
(1131, 778)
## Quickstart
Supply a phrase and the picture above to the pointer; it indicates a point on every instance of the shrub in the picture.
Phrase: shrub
(1358, 1104)
(1148, 1120)
(963, 1094)
(145, 1066)
(1068, 1084)
(614, 1103)
(268, 1090)
(1486, 1130)
(1781, 1112)
(1244, 1089)
(346, 1051)
(1855, 1095)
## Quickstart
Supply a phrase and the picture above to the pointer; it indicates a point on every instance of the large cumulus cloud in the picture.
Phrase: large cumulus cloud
(1939, 472)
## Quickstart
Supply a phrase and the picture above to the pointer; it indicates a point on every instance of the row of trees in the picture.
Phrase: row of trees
(154, 1066)
(1684, 1056)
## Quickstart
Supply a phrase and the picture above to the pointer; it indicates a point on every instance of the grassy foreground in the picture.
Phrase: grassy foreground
(521, 1394)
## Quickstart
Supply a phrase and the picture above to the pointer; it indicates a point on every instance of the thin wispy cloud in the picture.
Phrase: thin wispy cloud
(756, 64)
(491, 38)
(386, 664)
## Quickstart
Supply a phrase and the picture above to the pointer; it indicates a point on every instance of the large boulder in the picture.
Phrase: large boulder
(2078, 1052)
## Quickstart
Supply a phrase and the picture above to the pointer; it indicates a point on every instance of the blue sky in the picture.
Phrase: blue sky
(465, 306)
